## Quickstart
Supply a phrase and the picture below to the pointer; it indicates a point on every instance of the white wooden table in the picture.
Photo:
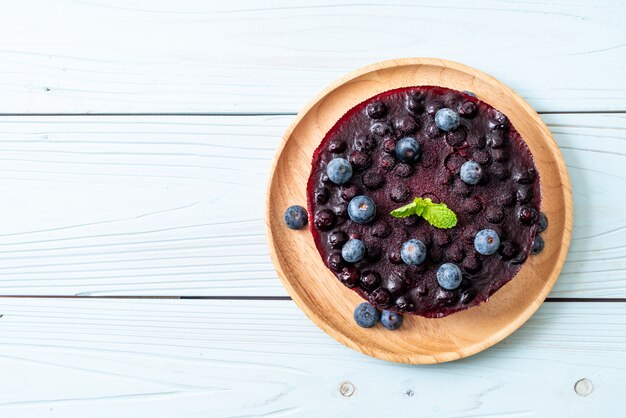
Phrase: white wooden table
(135, 141)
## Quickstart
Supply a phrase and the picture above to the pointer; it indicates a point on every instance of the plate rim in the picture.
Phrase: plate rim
(495, 337)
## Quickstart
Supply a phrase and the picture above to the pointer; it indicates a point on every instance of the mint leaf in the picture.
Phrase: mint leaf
(404, 211)
(436, 214)
(439, 216)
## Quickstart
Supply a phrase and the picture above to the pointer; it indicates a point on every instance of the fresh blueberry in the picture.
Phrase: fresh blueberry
(362, 209)
(365, 315)
(353, 250)
(407, 149)
(296, 217)
(391, 320)
(538, 244)
(339, 170)
(471, 172)
(413, 252)
(543, 222)
(486, 241)
(449, 276)
(447, 119)
(469, 93)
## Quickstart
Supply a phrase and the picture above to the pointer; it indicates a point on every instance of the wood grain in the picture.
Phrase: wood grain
(330, 304)
(239, 56)
(167, 358)
(161, 205)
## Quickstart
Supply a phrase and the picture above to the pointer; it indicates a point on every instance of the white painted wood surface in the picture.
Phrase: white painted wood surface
(182, 358)
(244, 56)
(173, 205)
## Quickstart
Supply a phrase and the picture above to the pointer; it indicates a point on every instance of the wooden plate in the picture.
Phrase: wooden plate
(330, 305)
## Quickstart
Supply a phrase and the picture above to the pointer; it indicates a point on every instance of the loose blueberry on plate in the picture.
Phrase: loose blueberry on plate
(469, 93)
(362, 209)
(353, 250)
(391, 320)
(447, 119)
(471, 172)
(487, 242)
(538, 245)
(365, 315)
(407, 149)
(413, 252)
(296, 217)
(339, 170)
(449, 276)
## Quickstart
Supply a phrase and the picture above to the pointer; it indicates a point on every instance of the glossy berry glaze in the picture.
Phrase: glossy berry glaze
(506, 200)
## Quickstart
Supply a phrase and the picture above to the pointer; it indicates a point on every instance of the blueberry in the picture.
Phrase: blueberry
(348, 193)
(336, 239)
(335, 261)
(362, 209)
(467, 109)
(528, 215)
(339, 170)
(353, 250)
(471, 172)
(349, 276)
(447, 119)
(404, 303)
(406, 124)
(538, 244)
(494, 214)
(407, 149)
(336, 146)
(391, 320)
(389, 145)
(487, 241)
(507, 250)
(381, 297)
(399, 193)
(469, 93)
(359, 160)
(372, 180)
(449, 276)
(376, 110)
(543, 222)
(381, 229)
(321, 195)
(370, 279)
(365, 315)
(380, 129)
(296, 217)
(402, 170)
(413, 252)
(324, 219)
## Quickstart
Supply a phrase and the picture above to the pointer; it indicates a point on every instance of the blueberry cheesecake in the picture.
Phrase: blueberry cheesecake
(425, 201)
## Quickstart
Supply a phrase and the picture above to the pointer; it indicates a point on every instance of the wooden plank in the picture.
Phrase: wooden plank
(163, 358)
(240, 56)
(174, 205)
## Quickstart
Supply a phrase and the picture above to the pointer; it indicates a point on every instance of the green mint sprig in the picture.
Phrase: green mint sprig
(436, 214)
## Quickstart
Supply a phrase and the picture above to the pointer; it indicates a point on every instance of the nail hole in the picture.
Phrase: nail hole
(583, 387)
(346, 389)
(409, 392)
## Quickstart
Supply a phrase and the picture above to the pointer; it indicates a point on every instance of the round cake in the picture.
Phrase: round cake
(462, 186)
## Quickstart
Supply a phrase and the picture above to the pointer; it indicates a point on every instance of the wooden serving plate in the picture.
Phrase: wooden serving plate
(330, 305)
